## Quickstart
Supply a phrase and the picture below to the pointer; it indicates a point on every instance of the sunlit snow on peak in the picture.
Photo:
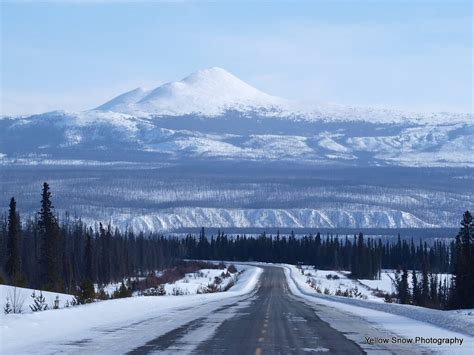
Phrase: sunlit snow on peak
(209, 92)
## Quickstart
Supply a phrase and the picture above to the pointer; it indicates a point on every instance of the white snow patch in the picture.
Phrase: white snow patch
(24, 294)
(403, 320)
(48, 330)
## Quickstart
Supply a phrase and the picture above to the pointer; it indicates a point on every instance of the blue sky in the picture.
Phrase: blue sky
(413, 55)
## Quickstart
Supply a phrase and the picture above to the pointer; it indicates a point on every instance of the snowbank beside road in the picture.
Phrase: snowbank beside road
(23, 295)
(372, 290)
(21, 333)
(403, 320)
(195, 282)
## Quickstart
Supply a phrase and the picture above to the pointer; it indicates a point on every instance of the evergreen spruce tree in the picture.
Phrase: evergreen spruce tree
(403, 290)
(3, 243)
(50, 250)
(39, 302)
(415, 289)
(425, 284)
(453, 297)
(7, 309)
(13, 260)
(88, 259)
(434, 296)
(462, 291)
(85, 293)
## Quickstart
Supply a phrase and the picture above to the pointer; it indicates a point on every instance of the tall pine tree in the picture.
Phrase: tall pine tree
(13, 260)
(50, 239)
(462, 291)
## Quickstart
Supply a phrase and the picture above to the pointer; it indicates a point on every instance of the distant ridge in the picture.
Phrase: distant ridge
(213, 91)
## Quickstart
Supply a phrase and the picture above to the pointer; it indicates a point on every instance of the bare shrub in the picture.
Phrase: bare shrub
(174, 274)
(16, 300)
(232, 269)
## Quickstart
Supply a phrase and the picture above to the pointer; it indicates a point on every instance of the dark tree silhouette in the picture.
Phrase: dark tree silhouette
(50, 239)
(13, 259)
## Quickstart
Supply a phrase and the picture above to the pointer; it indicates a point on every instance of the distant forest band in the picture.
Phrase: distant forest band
(68, 256)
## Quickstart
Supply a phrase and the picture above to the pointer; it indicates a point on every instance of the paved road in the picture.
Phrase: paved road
(271, 321)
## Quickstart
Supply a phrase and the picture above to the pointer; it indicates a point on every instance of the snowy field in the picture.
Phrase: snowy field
(404, 320)
(24, 300)
(25, 333)
(330, 282)
(193, 283)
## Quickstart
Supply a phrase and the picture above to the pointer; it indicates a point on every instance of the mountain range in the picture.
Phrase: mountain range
(211, 114)
(211, 150)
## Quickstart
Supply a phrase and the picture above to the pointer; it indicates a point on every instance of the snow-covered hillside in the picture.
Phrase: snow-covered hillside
(261, 218)
(209, 92)
(211, 114)
(212, 122)
(213, 91)
(22, 298)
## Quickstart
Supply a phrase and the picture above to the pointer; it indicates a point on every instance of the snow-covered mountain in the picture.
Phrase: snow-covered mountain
(212, 122)
(214, 91)
(211, 114)
(208, 92)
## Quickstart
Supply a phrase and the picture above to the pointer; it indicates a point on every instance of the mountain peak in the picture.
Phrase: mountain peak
(209, 92)
(212, 72)
(216, 74)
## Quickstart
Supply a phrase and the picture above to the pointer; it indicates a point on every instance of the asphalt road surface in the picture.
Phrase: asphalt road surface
(271, 321)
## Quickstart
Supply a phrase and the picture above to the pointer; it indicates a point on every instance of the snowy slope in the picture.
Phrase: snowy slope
(213, 91)
(213, 114)
(23, 297)
(195, 217)
(123, 101)
(209, 92)
(26, 333)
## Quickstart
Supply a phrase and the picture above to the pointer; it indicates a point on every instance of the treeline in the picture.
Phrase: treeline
(364, 257)
(427, 290)
(43, 253)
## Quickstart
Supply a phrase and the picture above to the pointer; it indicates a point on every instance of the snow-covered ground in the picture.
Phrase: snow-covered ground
(22, 296)
(26, 333)
(193, 283)
(124, 324)
(330, 282)
(404, 320)
(385, 283)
